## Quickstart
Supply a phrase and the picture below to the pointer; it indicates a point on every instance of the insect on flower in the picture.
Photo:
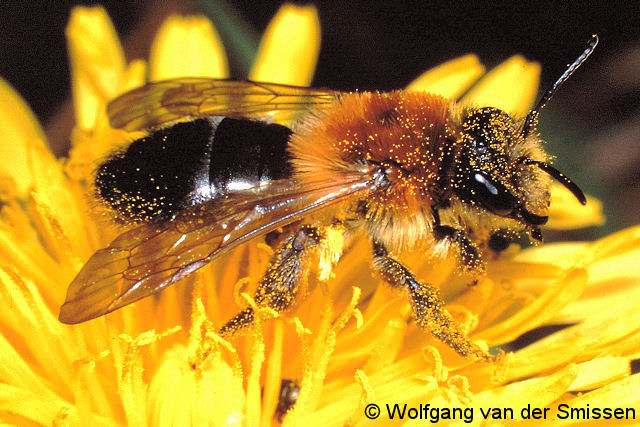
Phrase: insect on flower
(216, 170)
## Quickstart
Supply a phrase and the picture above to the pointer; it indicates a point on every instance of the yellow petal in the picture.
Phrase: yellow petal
(614, 276)
(23, 363)
(512, 86)
(57, 213)
(531, 393)
(134, 75)
(561, 255)
(600, 371)
(272, 382)
(21, 257)
(450, 79)
(20, 132)
(97, 63)
(20, 406)
(90, 147)
(561, 291)
(621, 394)
(205, 395)
(566, 212)
(603, 331)
(289, 48)
(187, 46)
(409, 380)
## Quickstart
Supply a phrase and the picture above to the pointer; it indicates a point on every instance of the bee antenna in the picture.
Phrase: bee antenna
(560, 177)
(532, 117)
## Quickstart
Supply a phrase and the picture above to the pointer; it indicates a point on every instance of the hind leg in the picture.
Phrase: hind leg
(283, 281)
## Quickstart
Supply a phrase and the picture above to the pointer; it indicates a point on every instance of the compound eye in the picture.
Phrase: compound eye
(491, 194)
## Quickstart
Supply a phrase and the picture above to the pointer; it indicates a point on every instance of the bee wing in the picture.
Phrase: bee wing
(148, 258)
(163, 102)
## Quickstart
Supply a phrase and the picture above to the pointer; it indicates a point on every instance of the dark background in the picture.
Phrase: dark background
(593, 124)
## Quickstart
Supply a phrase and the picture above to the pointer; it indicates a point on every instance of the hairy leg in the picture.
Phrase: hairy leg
(428, 306)
(283, 281)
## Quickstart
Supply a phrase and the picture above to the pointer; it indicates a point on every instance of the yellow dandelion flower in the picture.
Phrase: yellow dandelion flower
(160, 361)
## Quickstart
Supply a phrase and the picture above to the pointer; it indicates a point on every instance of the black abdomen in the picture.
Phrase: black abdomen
(191, 162)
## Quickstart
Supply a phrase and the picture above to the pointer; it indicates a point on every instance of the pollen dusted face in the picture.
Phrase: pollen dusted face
(488, 135)
(490, 172)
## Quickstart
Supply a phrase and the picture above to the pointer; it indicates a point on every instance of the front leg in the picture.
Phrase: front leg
(428, 306)
(283, 281)
(469, 255)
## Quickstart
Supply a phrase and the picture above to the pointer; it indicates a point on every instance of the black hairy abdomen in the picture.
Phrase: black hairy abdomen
(188, 163)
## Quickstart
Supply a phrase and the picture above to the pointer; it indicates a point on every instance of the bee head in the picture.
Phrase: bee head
(489, 173)
(494, 166)
(493, 173)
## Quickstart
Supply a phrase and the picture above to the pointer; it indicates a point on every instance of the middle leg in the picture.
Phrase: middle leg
(428, 306)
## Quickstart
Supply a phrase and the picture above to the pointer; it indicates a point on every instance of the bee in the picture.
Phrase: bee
(219, 168)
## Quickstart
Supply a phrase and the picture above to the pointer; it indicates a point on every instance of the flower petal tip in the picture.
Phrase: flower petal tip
(187, 46)
(511, 86)
(451, 78)
(289, 48)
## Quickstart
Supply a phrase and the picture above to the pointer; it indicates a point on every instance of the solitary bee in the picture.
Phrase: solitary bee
(217, 170)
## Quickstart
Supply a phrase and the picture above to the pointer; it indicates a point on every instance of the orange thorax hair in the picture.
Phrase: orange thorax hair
(409, 133)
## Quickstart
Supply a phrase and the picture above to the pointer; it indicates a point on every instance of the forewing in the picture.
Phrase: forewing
(164, 102)
(146, 259)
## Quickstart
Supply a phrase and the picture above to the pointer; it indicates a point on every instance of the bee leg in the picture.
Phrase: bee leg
(498, 242)
(469, 255)
(428, 306)
(281, 283)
